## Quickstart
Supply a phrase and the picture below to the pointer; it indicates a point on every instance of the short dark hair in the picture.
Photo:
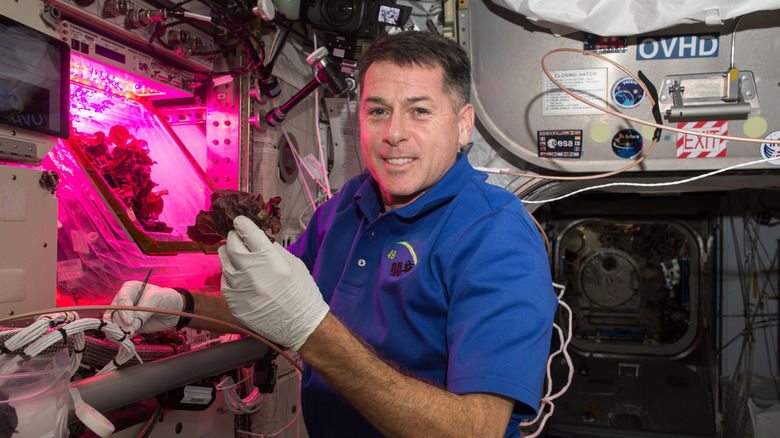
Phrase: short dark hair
(424, 49)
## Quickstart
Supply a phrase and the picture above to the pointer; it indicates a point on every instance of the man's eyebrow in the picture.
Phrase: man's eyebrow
(410, 100)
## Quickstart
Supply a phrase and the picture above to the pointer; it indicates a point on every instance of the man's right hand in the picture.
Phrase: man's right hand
(145, 322)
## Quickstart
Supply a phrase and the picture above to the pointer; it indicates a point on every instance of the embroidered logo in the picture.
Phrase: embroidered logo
(403, 259)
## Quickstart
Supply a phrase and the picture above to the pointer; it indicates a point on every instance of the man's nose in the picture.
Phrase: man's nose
(396, 129)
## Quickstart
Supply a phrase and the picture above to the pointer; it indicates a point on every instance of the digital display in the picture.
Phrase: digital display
(34, 80)
(392, 14)
(389, 15)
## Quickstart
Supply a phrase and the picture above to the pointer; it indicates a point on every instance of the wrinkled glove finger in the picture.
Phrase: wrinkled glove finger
(236, 255)
(108, 316)
(138, 321)
(125, 297)
(113, 317)
(122, 317)
(230, 277)
(224, 258)
(254, 238)
(244, 259)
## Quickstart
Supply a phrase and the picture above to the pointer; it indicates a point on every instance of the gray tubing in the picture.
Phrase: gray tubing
(128, 385)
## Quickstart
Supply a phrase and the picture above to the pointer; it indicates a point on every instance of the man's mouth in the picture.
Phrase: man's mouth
(399, 160)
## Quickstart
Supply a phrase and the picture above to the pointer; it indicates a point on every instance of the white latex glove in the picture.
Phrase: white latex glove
(145, 322)
(268, 289)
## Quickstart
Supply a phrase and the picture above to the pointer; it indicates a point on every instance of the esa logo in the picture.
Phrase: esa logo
(553, 143)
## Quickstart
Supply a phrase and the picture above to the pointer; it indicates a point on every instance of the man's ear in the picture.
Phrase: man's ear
(465, 124)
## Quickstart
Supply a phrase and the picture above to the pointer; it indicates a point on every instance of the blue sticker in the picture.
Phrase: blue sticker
(702, 45)
(627, 143)
(560, 143)
(771, 151)
(627, 93)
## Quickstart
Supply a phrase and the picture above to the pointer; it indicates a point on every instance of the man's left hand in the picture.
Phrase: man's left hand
(268, 289)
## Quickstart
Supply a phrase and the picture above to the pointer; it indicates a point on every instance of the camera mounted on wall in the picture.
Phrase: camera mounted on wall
(353, 17)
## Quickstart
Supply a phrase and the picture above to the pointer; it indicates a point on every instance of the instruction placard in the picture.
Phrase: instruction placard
(590, 84)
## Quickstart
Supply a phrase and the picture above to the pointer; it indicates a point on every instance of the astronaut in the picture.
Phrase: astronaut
(419, 296)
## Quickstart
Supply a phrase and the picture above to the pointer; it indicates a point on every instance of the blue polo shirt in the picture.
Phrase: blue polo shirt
(454, 287)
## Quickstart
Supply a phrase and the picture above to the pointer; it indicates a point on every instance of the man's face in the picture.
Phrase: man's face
(409, 132)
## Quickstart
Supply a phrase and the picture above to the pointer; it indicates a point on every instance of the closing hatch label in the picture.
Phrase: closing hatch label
(560, 144)
(589, 84)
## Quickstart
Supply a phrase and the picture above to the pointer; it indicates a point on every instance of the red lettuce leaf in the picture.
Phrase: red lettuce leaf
(213, 226)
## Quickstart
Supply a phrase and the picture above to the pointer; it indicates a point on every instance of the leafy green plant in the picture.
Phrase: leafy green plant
(213, 226)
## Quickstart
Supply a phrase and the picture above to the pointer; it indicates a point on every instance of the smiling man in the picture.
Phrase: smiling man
(419, 296)
(430, 309)
(410, 129)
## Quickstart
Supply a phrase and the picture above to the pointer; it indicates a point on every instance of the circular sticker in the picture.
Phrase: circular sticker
(600, 133)
(771, 151)
(627, 143)
(627, 93)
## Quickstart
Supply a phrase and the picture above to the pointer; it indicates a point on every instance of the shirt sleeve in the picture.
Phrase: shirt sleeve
(501, 310)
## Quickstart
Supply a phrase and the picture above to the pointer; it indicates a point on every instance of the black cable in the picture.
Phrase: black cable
(656, 108)
(258, 58)
(156, 35)
(305, 40)
(253, 48)
(235, 72)
(160, 27)
(152, 422)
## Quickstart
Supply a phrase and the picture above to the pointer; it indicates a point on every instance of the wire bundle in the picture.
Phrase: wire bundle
(52, 328)
(252, 47)
(237, 405)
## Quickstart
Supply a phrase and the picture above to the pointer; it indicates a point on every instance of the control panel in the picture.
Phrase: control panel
(145, 27)
(157, 78)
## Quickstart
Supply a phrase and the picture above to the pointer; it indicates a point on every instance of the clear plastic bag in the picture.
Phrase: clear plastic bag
(34, 396)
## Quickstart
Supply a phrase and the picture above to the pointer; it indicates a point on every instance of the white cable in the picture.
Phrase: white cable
(211, 342)
(294, 420)
(247, 405)
(52, 328)
(37, 329)
(28, 334)
(355, 142)
(295, 157)
(565, 352)
(56, 335)
(188, 14)
(10, 364)
(79, 344)
(319, 142)
(670, 183)
(547, 399)
(306, 210)
(300, 162)
(317, 128)
(126, 347)
(113, 333)
(544, 419)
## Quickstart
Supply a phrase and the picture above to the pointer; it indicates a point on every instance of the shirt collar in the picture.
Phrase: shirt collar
(368, 196)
